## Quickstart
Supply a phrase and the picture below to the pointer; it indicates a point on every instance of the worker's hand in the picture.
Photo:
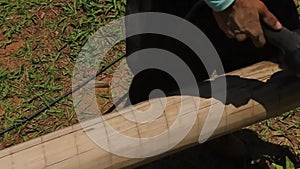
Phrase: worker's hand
(242, 20)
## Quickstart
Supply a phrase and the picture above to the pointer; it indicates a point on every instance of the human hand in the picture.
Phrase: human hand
(242, 20)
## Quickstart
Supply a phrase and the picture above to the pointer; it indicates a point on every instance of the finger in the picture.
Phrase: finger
(229, 33)
(259, 41)
(241, 37)
(255, 33)
(222, 25)
(269, 18)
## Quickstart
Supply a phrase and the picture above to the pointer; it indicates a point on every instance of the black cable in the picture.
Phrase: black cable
(113, 107)
(64, 96)
(194, 9)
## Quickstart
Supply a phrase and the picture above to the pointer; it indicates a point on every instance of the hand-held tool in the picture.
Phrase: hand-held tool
(289, 42)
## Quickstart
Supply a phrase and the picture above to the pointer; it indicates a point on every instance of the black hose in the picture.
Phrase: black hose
(34, 115)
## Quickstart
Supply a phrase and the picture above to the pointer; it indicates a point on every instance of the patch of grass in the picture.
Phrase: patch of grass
(40, 41)
(283, 130)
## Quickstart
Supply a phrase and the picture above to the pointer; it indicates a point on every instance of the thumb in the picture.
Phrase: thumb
(269, 18)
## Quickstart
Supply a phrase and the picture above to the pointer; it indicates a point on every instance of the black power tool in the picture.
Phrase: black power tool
(289, 42)
(284, 39)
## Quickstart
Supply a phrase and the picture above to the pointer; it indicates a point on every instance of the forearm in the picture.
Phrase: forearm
(219, 5)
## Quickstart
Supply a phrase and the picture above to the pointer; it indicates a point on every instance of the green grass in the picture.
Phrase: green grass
(53, 33)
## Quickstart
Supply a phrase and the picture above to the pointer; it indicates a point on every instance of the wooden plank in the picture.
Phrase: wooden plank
(255, 93)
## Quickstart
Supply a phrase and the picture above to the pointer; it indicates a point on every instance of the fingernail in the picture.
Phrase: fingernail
(278, 25)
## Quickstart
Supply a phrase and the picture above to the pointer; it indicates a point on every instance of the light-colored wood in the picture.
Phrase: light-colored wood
(255, 93)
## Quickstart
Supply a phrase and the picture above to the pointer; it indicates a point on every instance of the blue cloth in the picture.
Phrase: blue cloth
(219, 5)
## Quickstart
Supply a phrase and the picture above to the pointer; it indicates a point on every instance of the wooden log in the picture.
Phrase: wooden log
(255, 93)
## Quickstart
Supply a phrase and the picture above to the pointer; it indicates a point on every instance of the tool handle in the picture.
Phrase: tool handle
(284, 39)
(288, 41)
